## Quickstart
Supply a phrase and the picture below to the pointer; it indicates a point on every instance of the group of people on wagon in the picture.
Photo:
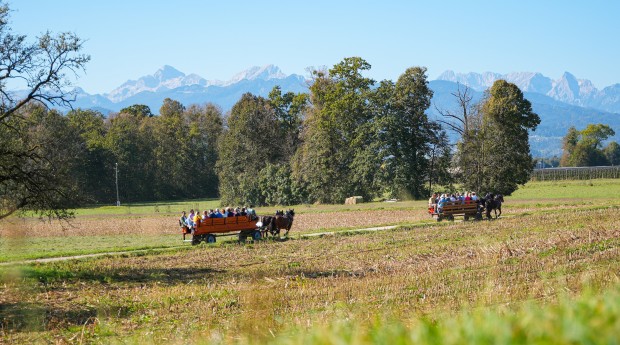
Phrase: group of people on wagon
(194, 217)
(438, 201)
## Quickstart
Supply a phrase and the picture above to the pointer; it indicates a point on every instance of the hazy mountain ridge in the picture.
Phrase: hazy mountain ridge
(568, 88)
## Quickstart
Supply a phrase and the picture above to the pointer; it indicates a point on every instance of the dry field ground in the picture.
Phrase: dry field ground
(110, 233)
(399, 213)
(542, 251)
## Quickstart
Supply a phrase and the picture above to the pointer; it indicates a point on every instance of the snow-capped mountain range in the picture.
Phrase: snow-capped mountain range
(168, 78)
(561, 103)
(567, 89)
(168, 82)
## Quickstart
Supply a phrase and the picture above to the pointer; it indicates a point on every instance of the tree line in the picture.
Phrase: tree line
(584, 147)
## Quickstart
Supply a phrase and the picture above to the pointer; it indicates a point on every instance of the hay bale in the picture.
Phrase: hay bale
(354, 200)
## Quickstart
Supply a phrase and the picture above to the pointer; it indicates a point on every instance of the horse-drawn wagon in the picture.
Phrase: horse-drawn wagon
(208, 229)
(468, 209)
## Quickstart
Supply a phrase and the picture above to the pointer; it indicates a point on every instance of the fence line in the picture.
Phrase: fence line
(575, 173)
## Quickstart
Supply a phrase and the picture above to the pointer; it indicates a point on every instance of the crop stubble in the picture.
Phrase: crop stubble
(420, 271)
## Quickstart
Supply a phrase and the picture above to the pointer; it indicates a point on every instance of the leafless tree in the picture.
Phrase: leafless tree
(43, 70)
(460, 121)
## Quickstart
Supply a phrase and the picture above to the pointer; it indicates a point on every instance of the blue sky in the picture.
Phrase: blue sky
(216, 39)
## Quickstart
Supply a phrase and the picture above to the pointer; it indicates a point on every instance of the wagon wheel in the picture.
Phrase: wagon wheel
(210, 238)
(195, 240)
(242, 237)
(439, 218)
(450, 217)
(466, 217)
(256, 235)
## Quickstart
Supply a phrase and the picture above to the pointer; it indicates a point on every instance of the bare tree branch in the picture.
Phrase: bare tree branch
(32, 158)
(43, 66)
(459, 122)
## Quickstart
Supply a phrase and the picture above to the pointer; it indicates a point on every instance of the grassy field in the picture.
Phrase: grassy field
(570, 189)
(575, 190)
(154, 226)
(548, 272)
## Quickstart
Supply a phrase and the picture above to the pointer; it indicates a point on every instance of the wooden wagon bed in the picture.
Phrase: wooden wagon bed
(207, 229)
(467, 210)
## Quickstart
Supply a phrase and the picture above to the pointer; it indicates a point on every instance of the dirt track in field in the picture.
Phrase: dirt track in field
(168, 224)
(85, 256)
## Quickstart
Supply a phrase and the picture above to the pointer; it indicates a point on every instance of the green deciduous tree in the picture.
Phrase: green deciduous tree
(335, 134)
(278, 187)
(94, 166)
(289, 109)
(612, 153)
(172, 153)
(584, 148)
(409, 135)
(139, 110)
(205, 128)
(130, 141)
(37, 162)
(569, 142)
(594, 135)
(440, 164)
(495, 156)
(250, 142)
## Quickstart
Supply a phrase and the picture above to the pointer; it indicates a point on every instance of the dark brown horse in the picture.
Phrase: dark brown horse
(493, 203)
(282, 220)
(266, 227)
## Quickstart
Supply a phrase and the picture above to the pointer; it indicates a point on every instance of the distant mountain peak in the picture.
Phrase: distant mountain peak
(476, 81)
(168, 78)
(266, 72)
(447, 75)
(568, 88)
(167, 72)
(569, 76)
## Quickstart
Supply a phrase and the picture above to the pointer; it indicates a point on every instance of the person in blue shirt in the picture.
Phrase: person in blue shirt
(442, 201)
(218, 214)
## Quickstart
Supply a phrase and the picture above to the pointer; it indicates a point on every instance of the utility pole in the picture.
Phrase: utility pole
(118, 201)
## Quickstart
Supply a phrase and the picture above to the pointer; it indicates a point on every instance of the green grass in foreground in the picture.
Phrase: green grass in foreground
(589, 319)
